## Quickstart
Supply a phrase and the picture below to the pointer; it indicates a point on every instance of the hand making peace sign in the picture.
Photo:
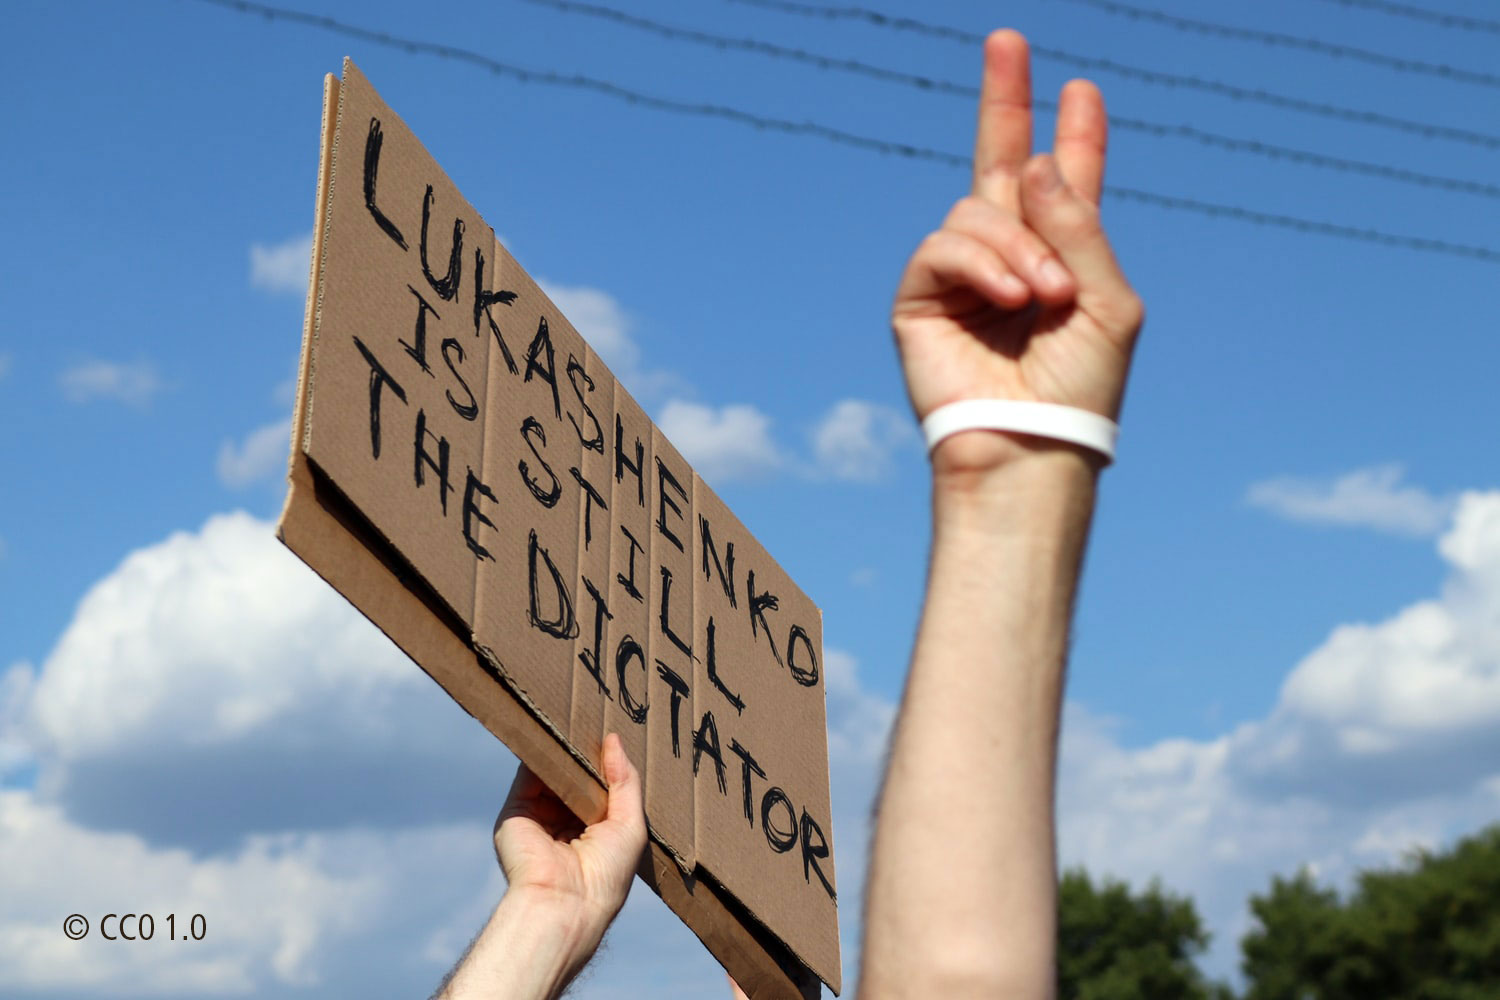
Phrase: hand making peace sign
(1018, 295)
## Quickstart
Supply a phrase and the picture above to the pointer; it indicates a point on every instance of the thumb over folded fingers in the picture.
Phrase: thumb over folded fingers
(1069, 223)
(625, 808)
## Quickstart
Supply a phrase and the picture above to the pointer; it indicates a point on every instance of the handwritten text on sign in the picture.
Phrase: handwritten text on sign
(601, 579)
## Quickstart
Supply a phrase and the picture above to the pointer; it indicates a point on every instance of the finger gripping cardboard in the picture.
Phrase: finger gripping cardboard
(469, 473)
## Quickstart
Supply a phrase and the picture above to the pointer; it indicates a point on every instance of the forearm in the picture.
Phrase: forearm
(530, 949)
(962, 894)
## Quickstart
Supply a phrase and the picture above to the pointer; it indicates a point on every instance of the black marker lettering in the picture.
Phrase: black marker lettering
(713, 671)
(564, 626)
(590, 657)
(758, 605)
(423, 457)
(596, 441)
(806, 676)
(469, 411)
(664, 478)
(471, 507)
(622, 463)
(706, 741)
(378, 377)
(483, 299)
(629, 650)
(780, 842)
(726, 568)
(812, 852)
(666, 626)
(629, 582)
(447, 287)
(548, 497)
(747, 764)
(372, 167)
(418, 350)
(590, 497)
(541, 348)
(679, 691)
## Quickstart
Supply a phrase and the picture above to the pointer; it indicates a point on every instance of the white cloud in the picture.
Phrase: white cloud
(1365, 498)
(1384, 737)
(1408, 704)
(266, 908)
(859, 721)
(279, 911)
(202, 690)
(134, 383)
(602, 321)
(219, 653)
(856, 439)
(282, 268)
(260, 455)
(731, 442)
(15, 694)
(216, 683)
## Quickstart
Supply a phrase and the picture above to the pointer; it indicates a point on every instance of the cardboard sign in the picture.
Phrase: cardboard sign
(468, 472)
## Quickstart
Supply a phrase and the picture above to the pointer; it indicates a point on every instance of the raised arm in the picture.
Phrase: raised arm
(1018, 297)
(566, 884)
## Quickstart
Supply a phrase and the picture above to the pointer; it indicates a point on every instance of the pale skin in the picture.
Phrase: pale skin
(566, 884)
(1016, 296)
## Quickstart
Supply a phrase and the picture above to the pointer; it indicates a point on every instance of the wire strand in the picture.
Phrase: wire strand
(1279, 39)
(578, 82)
(1161, 130)
(1144, 75)
(1446, 20)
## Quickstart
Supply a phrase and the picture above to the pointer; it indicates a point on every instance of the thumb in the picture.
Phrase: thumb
(625, 809)
(1070, 224)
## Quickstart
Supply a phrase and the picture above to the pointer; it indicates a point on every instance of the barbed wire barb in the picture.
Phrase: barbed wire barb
(1462, 22)
(1278, 39)
(1149, 76)
(829, 133)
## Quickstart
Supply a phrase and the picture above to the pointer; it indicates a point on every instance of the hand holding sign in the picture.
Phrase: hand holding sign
(546, 851)
(470, 474)
(1018, 295)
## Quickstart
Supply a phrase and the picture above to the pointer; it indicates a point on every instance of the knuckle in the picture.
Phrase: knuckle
(1079, 219)
(1130, 309)
(935, 242)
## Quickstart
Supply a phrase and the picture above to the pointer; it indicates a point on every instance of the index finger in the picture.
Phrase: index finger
(1003, 142)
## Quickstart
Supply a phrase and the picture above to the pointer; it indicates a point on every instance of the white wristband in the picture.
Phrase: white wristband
(1051, 420)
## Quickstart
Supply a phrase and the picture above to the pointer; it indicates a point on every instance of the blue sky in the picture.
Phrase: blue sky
(1288, 645)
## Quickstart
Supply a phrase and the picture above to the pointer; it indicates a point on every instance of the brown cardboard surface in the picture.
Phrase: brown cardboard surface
(391, 330)
(629, 582)
(768, 835)
(672, 756)
(519, 527)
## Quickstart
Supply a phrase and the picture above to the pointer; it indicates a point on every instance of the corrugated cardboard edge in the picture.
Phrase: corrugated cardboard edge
(321, 527)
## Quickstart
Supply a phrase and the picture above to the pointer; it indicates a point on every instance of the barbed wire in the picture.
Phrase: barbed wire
(1460, 21)
(1164, 130)
(828, 133)
(1279, 39)
(1156, 77)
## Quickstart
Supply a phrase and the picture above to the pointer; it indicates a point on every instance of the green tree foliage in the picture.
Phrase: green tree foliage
(1113, 944)
(1427, 930)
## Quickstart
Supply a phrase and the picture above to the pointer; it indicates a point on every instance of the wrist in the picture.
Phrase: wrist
(989, 478)
(533, 945)
(569, 926)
